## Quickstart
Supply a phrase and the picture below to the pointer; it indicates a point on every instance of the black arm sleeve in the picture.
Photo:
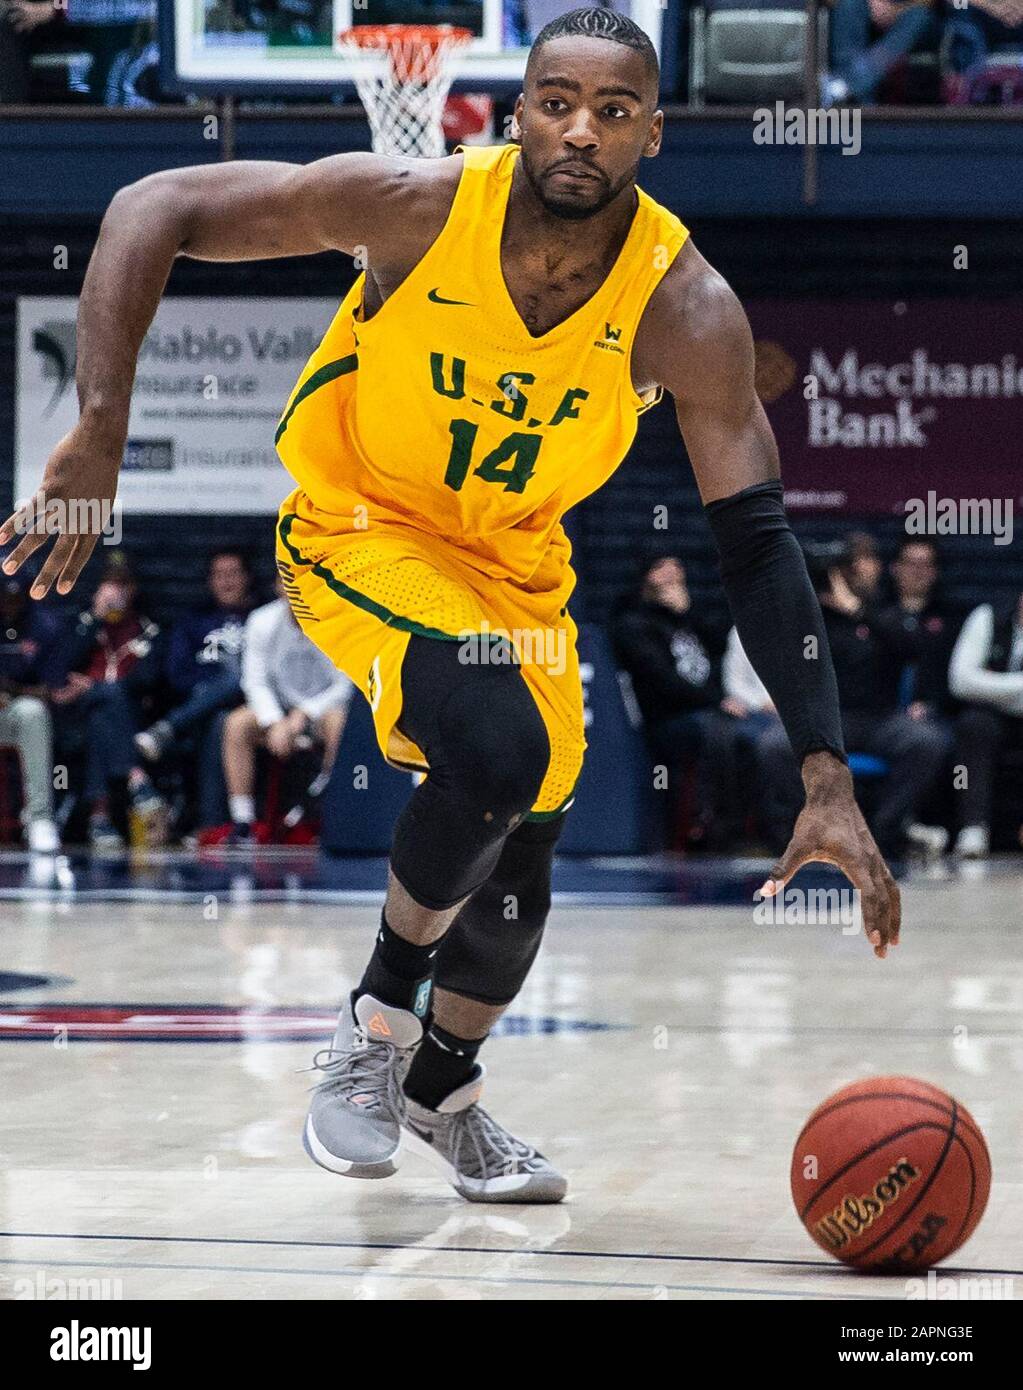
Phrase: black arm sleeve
(775, 611)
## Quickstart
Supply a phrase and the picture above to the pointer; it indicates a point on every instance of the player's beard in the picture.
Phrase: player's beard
(568, 208)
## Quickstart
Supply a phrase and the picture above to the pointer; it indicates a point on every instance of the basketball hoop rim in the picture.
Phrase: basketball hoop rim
(390, 37)
(403, 73)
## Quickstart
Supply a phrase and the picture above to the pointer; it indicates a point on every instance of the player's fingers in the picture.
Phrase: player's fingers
(76, 562)
(17, 523)
(795, 856)
(27, 546)
(895, 905)
(55, 562)
(876, 907)
(873, 901)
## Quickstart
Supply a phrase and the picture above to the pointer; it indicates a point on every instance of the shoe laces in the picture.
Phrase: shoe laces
(368, 1068)
(475, 1134)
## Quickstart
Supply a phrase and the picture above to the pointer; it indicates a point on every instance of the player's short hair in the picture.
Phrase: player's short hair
(596, 22)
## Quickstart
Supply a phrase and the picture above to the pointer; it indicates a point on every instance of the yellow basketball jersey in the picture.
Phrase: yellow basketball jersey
(444, 414)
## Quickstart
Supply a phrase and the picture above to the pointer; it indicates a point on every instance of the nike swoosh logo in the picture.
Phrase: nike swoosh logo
(435, 298)
(426, 1134)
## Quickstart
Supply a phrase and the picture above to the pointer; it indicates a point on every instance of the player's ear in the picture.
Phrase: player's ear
(653, 144)
(515, 130)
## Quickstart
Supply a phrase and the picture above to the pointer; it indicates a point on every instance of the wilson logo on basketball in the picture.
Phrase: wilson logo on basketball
(854, 1215)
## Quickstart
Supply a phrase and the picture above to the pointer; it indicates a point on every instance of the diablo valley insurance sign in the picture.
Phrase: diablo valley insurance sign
(213, 378)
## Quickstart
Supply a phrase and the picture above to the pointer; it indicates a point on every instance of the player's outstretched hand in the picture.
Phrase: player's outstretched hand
(74, 503)
(831, 829)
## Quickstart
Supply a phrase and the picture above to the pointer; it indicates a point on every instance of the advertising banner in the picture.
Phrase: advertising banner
(879, 404)
(213, 378)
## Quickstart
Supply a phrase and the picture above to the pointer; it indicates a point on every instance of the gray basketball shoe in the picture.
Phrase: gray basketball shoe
(355, 1118)
(480, 1159)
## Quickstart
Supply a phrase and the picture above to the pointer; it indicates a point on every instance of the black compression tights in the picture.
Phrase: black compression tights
(488, 751)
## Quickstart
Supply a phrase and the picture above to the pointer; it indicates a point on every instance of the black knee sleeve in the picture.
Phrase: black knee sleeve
(488, 751)
(492, 943)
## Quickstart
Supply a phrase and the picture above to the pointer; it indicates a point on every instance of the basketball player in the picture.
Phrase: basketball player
(521, 305)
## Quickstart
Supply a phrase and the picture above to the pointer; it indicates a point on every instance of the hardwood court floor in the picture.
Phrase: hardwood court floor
(665, 1057)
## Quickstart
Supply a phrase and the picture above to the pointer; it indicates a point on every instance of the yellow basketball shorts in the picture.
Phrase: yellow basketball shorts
(360, 594)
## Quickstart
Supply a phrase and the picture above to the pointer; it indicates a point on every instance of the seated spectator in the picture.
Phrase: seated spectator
(986, 671)
(113, 663)
(918, 669)
(745, 692)
(667, 651)
(293, 692)
(864, 565)
(746, 700)
(869, 38)
(974, 33)
(869, 648)
(119, 34)
(203, 665)
(15, 52)
(29, 667)
(930, 624)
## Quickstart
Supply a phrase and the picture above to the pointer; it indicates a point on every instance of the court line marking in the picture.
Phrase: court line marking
(338, 897)
(430, 1275)
(829, 1267)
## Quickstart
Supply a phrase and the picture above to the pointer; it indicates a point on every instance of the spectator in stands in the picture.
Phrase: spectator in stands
(916, 664)
(930, 624)
(15, 51)
(869, 38)
(203, 666)
(987, 672)
(744, 690)
(120, 35)
(113, 663)
(293, 693)
(29, 668)
(864, 566)
(870, 647)
(673, 660)
(972, 34)
(746, 700)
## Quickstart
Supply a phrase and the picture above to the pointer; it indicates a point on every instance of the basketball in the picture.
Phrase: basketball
(890, 1175)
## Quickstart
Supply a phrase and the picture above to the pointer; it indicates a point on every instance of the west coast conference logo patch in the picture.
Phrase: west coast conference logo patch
(190, 1023)
(611, 339)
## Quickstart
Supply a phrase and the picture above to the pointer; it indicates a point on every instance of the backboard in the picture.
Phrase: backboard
(288, 47)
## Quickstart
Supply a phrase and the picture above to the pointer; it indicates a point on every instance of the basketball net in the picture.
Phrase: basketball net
(403, 73)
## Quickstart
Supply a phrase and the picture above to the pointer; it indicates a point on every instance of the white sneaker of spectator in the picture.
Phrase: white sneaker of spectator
(153, 742)
(972, 842)
(43, 837)
(931, 840)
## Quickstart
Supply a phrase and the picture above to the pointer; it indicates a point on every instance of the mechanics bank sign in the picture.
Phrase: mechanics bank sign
(878, 403)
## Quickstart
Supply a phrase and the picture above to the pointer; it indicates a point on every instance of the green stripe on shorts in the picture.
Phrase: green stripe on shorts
(363, 601)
